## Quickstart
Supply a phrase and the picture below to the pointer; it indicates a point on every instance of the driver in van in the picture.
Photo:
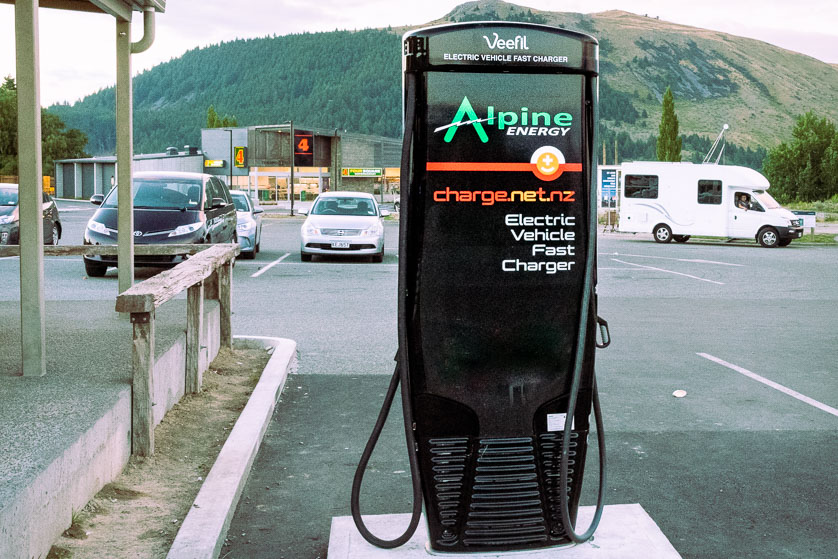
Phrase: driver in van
(743, 202)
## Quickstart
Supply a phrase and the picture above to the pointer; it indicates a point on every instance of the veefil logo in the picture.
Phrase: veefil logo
(516, 123)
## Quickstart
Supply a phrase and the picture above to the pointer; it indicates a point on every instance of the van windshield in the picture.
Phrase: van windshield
(766, 199)
(166, 194)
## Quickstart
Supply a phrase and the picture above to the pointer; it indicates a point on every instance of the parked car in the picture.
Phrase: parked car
(343, 223)
(10, 217)
(249, 223)
(169, 208)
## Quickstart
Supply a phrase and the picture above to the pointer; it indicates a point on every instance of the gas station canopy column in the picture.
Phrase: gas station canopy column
(29, 147)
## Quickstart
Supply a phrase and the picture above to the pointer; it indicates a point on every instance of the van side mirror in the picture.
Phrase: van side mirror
(258, 210)
(218, 203)
(385, 213)
(97, 199)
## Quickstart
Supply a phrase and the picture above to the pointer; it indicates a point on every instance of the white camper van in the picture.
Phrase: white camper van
(673, 201)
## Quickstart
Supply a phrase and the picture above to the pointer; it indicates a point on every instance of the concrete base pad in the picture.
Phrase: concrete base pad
(625, 531)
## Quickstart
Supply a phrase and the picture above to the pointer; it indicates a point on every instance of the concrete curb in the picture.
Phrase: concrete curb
(205, 527)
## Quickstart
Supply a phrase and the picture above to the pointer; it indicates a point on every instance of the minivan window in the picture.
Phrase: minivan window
(164, 194)
(641, 186)
(216, 189)
(709, 192)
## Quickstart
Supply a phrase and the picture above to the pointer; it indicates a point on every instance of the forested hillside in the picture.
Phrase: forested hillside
(346, 80)
(352, 80)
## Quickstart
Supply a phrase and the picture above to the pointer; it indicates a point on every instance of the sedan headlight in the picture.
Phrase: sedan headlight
(373, 231)
(309, 229)
(97, 227)
(186, 229)
(245, 227)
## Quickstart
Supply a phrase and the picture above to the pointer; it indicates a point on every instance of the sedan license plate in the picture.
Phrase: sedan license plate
(340, 244)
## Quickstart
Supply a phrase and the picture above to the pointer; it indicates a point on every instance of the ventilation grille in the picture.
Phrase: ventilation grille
(499, 494)
(448, 464)
(550, 456)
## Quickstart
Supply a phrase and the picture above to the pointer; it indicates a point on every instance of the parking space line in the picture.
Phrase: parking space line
(693, 260)
(667, 271)
(788, 391)
(271, 265)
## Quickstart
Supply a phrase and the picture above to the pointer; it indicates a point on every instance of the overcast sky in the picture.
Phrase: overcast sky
(77, 49)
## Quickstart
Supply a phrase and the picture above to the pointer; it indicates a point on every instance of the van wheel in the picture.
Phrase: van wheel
(662, 233)
(768, 237)
(681, 238)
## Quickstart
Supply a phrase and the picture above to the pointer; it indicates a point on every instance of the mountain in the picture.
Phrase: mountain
(351, 80)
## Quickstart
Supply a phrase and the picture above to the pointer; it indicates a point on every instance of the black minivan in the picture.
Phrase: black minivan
(170, 207)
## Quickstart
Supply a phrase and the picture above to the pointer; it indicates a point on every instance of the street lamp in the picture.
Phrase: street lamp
(230, 184)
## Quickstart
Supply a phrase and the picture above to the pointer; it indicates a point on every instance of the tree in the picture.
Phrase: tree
(805, 169)
(56, 142)
(669, 142)
(214, 121)
(212, 118)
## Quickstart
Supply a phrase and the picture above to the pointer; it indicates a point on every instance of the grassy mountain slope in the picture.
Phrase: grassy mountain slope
(352, 80)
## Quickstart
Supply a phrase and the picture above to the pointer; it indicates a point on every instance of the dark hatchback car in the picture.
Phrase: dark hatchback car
(169, 208)
(10, 217)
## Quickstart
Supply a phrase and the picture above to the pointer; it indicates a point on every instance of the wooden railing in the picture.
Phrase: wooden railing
(207, 275)
(106, 250)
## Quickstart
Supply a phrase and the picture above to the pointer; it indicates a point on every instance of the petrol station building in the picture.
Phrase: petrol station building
(259, 159)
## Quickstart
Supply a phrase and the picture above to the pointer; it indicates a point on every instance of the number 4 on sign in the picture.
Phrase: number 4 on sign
(303, 145)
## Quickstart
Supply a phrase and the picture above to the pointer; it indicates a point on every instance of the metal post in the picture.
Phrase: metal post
(231, 158)
(32, 309)
(124, 155)
(291, 186)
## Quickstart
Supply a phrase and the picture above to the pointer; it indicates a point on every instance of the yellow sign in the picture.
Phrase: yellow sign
(346, 172)
(240, 156)
(214, 163)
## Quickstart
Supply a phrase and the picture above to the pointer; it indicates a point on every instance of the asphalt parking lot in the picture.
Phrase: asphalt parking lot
(739, 467)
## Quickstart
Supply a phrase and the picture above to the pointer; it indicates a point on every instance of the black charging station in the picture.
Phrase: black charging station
(497, 304)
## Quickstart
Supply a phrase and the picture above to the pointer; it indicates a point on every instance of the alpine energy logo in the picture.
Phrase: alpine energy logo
(522, 122)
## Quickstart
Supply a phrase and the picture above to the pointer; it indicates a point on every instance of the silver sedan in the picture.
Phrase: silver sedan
(248, 224)
(344, 224)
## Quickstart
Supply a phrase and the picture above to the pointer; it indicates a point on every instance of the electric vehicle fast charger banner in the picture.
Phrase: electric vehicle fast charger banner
(504, 228)
(496, 328)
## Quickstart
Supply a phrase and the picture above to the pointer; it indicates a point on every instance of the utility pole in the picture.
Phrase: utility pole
(291, 179)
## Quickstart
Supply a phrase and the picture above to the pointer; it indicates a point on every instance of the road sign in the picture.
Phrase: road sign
(303, 148)
(347, 172)
(240, 156)
(608, 180)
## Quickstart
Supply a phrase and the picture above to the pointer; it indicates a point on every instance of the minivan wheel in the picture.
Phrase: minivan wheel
(56, 233)
(662, 233)
(94, 270)
(768, 237)
(680, 238)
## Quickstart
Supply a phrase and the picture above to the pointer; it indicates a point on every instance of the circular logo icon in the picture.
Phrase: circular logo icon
(138, 233)
(547, 163)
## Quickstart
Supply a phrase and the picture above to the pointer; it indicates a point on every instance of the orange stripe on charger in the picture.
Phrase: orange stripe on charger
(477, 166)
(474, 166)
